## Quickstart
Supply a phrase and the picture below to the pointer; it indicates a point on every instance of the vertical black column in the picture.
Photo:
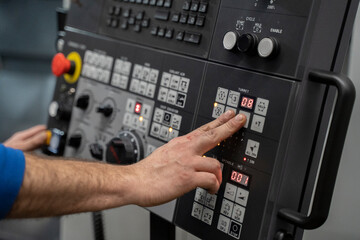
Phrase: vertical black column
(160, 229)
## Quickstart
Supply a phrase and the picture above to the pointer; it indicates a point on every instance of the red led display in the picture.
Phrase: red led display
(240, 178)
(137, 108)
(247, 102)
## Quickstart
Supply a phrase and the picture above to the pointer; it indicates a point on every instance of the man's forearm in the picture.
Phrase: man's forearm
(56, 187)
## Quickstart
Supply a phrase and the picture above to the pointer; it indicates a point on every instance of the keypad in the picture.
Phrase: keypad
(97, 66)
(166, 125)
(204, 205)
(173, 89)
(144, 80)
(137, 120)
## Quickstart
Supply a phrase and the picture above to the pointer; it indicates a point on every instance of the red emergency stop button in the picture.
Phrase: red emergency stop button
(61, 65)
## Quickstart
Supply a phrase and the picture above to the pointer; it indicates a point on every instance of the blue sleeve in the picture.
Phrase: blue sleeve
(12, 168)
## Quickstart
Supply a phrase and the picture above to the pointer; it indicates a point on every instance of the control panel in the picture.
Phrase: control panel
(134, 74)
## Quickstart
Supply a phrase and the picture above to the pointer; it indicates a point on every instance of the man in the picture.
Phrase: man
(31, 186)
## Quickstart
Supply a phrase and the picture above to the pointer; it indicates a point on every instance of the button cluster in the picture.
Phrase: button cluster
(166, 125)
(233, 210)
(120, 77)
(144, 80)
(126, 18)
(137, 115)
(204, 205)
(173, 89)
(227, 99)
(97, 66)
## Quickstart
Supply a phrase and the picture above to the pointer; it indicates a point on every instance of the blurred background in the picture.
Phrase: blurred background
(28, 30)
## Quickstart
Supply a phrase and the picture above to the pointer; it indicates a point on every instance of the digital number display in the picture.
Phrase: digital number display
(247, 102)
(240, 178)
(138, 108)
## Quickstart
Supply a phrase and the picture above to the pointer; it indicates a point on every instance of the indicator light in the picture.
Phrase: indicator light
(137, 108)
(170, 129)
(244, 159)
(141, 118)
(215, 104)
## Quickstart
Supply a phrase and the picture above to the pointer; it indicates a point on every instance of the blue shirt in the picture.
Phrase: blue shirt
(12, 168)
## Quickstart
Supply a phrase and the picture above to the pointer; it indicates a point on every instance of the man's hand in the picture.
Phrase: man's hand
(28, 139)
(179, 166)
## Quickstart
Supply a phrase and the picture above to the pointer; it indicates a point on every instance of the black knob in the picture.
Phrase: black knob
(124, 149)
(247, 43)
(83, 101)
(96, 151)
(107, 110)
(64, 112)
(75, 140)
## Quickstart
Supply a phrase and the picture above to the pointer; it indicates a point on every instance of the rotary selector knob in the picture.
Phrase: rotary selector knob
(247, 43)
(75, 140)
(268, 47)
(107, 110)
(125, 149)
(83, 102)
(230, 40)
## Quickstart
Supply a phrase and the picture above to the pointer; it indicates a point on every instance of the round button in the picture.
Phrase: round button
(267, 47)
(229, 40)
(61, 65)
(247, 42)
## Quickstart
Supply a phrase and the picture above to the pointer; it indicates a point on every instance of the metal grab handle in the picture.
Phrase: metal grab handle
(333, 149)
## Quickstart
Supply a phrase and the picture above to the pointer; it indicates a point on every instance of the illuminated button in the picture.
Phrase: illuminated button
(163, 93)
(223, 224)
(207, 215)
(150, 90)
(167, 118)
(252, 148)
(258, 123)
(130, 105)
(184, 84)
(221, 95)
(197, 210)
(137, 72)
(164, 133)
(261, 106)
(230, 191)
(171, 99)
(210, 200)
(218, 110)
(137, 108)
(134, 86)
(227, 207)
(173, 134)
(154, 73)
(165, 80)
(235, 229)
(238, 213)
(142, 87)
(247, 114)
(146, 111)
(176, 121)
(200, 195)
(155, 130)
(158, 115)
(181, 99)
(146, 74)
(175, 81)
(242, 196)
(233, 99)
(127, 119)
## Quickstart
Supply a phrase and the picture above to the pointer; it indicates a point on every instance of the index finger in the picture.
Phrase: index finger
(31, 131)
(209, 139)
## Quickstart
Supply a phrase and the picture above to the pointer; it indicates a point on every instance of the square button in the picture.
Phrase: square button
(200, 194)
(233, 99)
(227, 207)
(210, 200)
(218, 110)
(235, 229)
(230, 108)
(164, 133)
(171, 98)
(230, 191)
(115, 80)
(125, 68)
(163, 93)
(134, 86)
(127, 119)
(167, 118)
(135, 121)
(223, 224)
(221, 95)
(181, 99)
(207, 215)
(143, 124)
(146, 74)
(175, 81)
(154, 73)
(184, 84)
(173, 134)
(165, 79)
(197, 210)
(124, 82)
(176, 121)
(258, 123)
(158, 115)
(247, 114)
(261, 106)
(242, 196)
(155, 130)
(238, 213)
(252, 148)
(137, 73)
(146, 111)
(130, 105)
(150, 149)
(150, 90)
(142, 87)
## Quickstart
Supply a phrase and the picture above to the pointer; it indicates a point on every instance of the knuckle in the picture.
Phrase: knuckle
(211, 135)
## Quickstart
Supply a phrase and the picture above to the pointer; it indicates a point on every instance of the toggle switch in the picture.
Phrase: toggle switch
(107, 110)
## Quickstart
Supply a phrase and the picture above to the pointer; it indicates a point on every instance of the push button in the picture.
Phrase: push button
(235, 229)
(192, 37)
(162, 15)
